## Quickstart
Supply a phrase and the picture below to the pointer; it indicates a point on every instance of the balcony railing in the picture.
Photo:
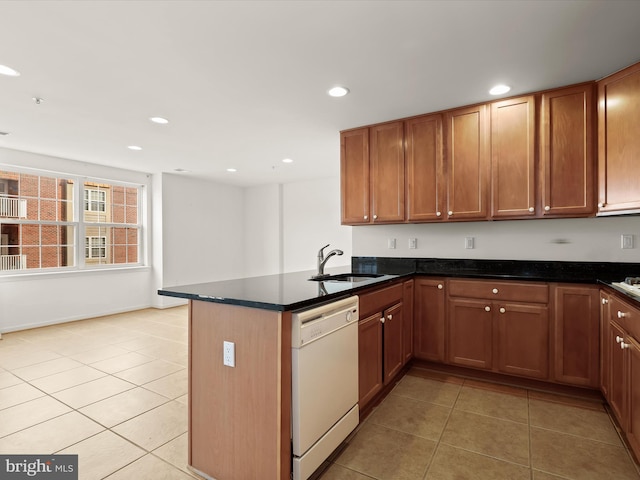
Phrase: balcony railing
(13, 262)
(13, 207)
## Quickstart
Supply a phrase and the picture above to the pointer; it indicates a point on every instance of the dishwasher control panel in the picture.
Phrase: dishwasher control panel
(314, 323)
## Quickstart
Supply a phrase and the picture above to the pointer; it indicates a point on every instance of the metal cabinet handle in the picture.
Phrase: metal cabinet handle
(619, 338)
(390, 317)
(440, 287)
(600, 205)
(502, 310)
(605, 301)
(450, 212)
(375, 217)
(547, 208)
(438, 214)
(621, 314)
(531, 209)
(495, 290)
(366, 217)
(487, 308)
(381, 319)
(624, 345)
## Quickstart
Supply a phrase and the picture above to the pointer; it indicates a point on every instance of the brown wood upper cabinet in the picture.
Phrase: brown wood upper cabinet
(372, 174)
(354, 173)
(386, 152)
(467, 163)
(567, 160)
(513, 158)
(619, 142)
(426, 188)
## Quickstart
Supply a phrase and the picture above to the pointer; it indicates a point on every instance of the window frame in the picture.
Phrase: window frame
(79, 225)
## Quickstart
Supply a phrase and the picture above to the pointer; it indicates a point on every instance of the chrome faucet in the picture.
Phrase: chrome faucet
(322, 260)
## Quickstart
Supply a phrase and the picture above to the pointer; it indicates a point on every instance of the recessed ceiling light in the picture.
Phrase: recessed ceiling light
(338, 91)
(2, 134)
(4, 70)
(134, 147)
(231, 170)
(499, 89)
(180, 170)
(160, 120)
(287, 160)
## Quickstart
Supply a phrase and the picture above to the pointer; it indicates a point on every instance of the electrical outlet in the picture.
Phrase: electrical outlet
(391, 243)
(626, 241)
(413, 243)
(469, 242)
(229, 354)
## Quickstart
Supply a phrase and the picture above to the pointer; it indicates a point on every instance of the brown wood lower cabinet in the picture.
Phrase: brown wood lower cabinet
(621, 365)
(576, 338)
(429, 319)
(470, 333)
(381, 339)
(491, 331)
(523, 339)
(369, 358)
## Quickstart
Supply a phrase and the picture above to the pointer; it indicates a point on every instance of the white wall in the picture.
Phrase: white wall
(263, 253)
(576, 239)
(311, 219)
(35, 299)
(202, 231)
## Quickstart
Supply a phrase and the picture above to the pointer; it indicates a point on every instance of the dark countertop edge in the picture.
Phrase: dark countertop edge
(277, 307)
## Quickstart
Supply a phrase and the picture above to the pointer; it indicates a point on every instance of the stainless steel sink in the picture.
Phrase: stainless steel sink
(347, 277)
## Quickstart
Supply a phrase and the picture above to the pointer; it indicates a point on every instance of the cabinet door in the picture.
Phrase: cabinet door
(576, 335)
(369, 358)
(425, 168)
(633, 383)
(387, 172)
(617, 400)
(513, 158)
(470, 333)
(354, 176)
(618, 141)
(523, 339)
(466, 162)
(605, 346)
(407, 319)
(393, 344)
(429, 319)
(567, 152)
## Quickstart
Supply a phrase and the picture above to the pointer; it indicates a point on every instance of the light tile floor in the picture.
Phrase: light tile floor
(111, 389)
(114, 391)
(435, 427)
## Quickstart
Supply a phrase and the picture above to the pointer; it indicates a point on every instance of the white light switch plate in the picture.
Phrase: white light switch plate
(469, 242)
(413, 243)
(391, 243)
(626, 241)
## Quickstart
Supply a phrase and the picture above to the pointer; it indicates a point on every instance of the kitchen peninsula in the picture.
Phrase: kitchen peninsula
(239, 417)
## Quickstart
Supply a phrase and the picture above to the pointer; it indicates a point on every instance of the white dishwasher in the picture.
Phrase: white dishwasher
(325, 382)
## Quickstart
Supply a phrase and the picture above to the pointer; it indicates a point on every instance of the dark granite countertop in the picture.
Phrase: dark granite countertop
(287, 291)
(292, 291)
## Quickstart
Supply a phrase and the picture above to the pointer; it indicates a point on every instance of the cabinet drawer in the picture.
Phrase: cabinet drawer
(378, 300)
(501, 291)
(625, 315)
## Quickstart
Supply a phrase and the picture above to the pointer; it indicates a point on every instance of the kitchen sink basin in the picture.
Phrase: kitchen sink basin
(347, 277)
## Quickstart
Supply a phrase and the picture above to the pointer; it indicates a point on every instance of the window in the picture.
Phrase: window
(42, 222)
(95, 247)
(95, 200)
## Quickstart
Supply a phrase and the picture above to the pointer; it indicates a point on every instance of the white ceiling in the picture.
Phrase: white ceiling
(244, 83)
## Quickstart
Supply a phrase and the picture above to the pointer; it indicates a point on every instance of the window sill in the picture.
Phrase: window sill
(31, 275)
